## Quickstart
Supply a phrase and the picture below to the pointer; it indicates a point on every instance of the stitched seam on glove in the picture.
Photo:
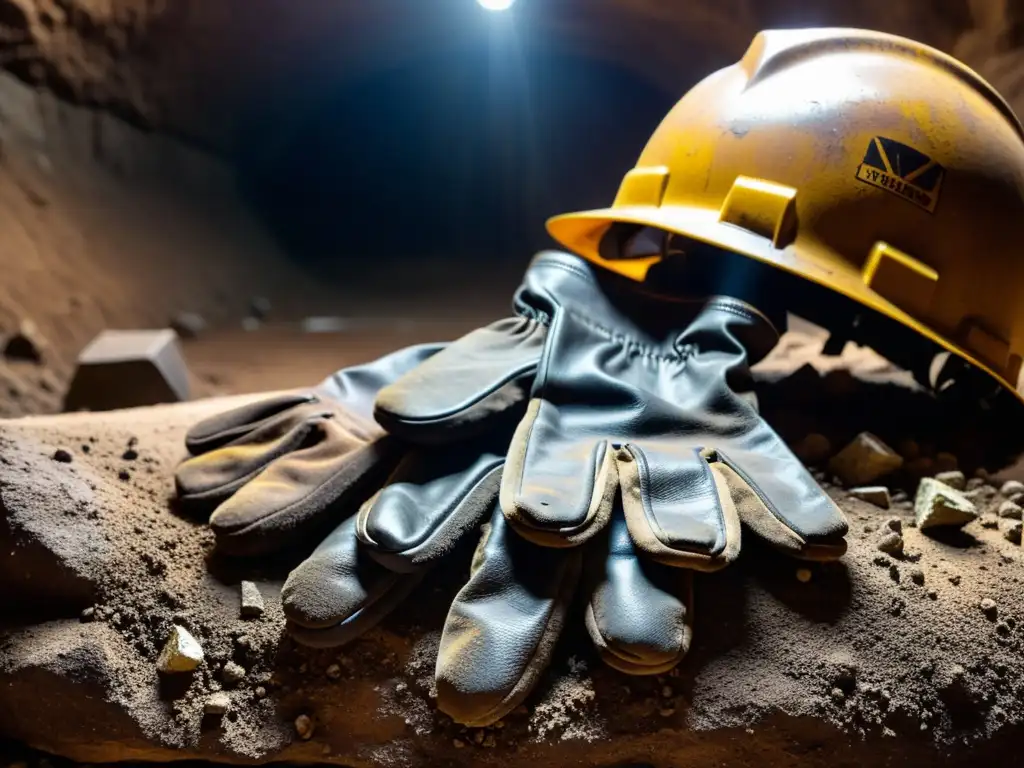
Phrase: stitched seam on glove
(652, 522)
(757, 492)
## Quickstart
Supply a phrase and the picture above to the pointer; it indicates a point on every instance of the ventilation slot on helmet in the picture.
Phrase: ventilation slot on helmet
(900, 278)
(761, 207)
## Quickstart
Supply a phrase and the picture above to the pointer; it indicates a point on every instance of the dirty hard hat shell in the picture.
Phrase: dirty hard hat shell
(867, 163)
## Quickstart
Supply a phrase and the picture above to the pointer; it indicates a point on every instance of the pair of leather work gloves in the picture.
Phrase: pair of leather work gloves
(604, 443)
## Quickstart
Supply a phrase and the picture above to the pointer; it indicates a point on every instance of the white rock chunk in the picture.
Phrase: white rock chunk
(939, 506)
(181, 653)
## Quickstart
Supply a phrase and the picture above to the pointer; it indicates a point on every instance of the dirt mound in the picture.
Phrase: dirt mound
(913, 657)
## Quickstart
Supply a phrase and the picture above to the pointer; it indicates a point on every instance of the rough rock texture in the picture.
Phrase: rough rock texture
(875, 660)
(105, 226)
(200, 68)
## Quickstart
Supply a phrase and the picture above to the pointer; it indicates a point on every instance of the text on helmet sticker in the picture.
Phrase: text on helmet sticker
(902, 170)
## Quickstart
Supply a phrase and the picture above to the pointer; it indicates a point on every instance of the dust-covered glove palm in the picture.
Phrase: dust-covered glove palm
(635, 389)
(277, 468)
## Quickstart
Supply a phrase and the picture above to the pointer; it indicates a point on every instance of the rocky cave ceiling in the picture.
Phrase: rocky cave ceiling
(205, 69)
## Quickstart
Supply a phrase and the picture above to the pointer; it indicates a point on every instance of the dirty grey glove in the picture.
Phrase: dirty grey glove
(276, 470)
(638, 393)
(503, 625)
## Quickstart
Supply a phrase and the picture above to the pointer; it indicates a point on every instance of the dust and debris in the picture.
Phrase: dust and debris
(568, 710)
(876, 644)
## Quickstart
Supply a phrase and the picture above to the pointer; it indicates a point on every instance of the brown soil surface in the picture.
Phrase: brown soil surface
(873, 661)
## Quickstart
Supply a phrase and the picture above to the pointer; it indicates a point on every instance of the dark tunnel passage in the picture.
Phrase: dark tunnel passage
(457, 157)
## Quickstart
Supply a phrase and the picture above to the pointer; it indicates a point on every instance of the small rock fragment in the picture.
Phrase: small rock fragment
(865, 459)
(181, 653)
(917, 576)
(954, 479)
(873, 494)
(1010, 510)
(946, 464)
(1011, 487)
(304, 727)
(334, 672)
(217, 704)
(233, 673)
(260, 692)
(252, 600)
(188, 325)
(939, 506)
(989, 520)
(62, 456)
(803, 575)
(490, 741)
(894, 524)
(891, 543)
(1012, 531)
(89, 614)
(974, 483)
(813, 448)
(458, 743)
(989, 608)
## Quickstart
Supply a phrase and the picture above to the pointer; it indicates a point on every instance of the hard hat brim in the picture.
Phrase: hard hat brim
(582, 232)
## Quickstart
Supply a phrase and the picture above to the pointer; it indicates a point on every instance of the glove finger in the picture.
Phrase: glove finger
(457, 392)
(356, 387)
(433, 498)
(639, 614)
(503, 625)
(559, 485)
(678, 511)
(340, 592)
(295, 495)
(778, 499)
(224, 428)
(215, 475)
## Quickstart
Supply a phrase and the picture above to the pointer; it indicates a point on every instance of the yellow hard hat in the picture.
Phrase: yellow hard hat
(868, 163)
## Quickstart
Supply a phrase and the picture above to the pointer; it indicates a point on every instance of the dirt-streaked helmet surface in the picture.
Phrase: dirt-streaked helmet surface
(868, 163)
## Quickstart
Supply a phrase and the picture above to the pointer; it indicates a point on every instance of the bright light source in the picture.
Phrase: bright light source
(496, 5)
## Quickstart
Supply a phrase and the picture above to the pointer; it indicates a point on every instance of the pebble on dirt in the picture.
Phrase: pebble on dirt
(304, 726)
(1010, 510)
(252, 600)
(804, 575)
(62, 456)
(939, 506)
(233, 673)
(989, 608)
(1012, 531)
(181, 653)
(217, 704)
(873, 494)
(1011, 487)
(865, 459)
(954, 479)
(188, 325)
(891, 543)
